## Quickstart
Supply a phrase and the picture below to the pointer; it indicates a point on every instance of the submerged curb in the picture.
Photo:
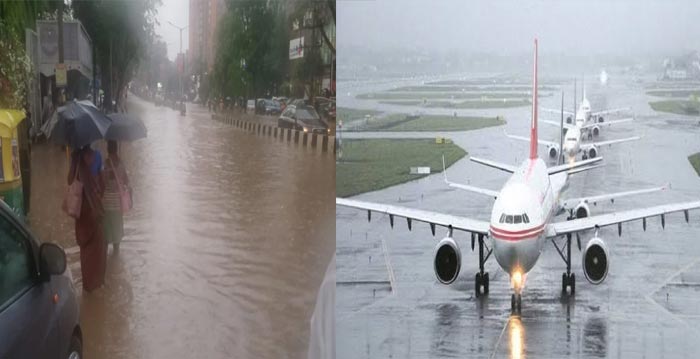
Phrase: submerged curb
(323, 143)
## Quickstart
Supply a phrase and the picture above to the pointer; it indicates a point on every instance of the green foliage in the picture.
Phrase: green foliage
(15, 69)
(126, 27)
(252, 49)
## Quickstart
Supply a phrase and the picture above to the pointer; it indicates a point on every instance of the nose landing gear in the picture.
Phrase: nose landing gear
(515, 303)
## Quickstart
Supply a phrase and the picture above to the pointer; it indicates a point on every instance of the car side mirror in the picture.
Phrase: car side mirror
(52, 260)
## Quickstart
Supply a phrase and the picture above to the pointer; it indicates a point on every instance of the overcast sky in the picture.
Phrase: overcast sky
(177, 12)
(576, 27)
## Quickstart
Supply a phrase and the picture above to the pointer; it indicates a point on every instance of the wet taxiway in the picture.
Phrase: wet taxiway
(224, 251)
(389, 303)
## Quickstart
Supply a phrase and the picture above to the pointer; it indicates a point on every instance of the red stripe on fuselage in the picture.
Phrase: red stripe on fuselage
(517, 235)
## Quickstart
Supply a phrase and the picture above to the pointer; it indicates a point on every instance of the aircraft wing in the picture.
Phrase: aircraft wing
(567, 167)
(541, 142)
(554, 123)
(465, 187)
(602, 220)
(432, 218)
(570, 203)
(607, 123)
(551, 110)
(614, 110)
(586, 146)
(501, 166)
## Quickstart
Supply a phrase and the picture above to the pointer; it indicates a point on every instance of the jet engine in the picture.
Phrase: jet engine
(553, 151)
(592, 152)
(595, 261)
(581, 210)
(448, 260)
(596, 131)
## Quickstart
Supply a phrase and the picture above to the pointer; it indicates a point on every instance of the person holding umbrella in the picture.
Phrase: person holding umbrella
(117, 197)
(86, 167)
(116, 184)
(77, 125)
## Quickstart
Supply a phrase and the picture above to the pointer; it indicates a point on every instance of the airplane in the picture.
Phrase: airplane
(521, 222)
(588, 122)
(571, 143)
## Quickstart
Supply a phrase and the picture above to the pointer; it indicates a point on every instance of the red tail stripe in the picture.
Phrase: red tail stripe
(533, 127)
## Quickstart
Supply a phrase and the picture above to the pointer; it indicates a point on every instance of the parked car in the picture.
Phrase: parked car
(267, 107)
(250, 106)
(302, 118)
(39, 312)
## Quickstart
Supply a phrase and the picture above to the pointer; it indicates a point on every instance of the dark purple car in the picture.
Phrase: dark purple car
(39, 312)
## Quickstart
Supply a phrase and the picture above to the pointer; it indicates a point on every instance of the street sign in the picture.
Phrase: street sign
(61, 75)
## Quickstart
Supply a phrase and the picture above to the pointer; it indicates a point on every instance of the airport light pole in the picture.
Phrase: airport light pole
(183, 57)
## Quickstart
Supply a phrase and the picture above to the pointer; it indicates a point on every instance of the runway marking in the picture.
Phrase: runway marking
(662, 308)
(389, 268)
(498, 343)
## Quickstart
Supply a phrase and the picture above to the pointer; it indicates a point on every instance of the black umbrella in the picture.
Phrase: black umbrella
(125, 127)
(79, 123)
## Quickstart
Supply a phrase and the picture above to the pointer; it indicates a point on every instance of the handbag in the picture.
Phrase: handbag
(73, 199)
(124, 192)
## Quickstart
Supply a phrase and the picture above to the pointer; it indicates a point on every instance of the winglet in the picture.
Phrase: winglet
(533, 125)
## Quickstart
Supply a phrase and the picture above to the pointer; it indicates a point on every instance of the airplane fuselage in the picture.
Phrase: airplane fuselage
(524, 207)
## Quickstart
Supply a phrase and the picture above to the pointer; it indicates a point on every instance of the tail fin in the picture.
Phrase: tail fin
(561, 129)
(533, 125)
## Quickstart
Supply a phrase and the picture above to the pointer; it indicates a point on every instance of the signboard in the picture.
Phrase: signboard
(296, 48)
(420, 170)
(61, 75)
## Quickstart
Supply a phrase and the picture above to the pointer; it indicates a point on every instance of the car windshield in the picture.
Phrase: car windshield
(307, 114)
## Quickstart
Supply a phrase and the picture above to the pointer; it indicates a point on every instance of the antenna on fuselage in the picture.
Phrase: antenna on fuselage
(561, 138)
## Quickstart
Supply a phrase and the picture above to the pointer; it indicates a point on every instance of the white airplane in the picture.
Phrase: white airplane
(588, 122)
(521, 222)
(572, 144)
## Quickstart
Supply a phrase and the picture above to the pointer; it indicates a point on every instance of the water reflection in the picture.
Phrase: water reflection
(516, 332)
(595, 337)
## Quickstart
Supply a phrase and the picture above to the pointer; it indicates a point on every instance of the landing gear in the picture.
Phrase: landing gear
(481, 280)
(584, 156)
(590, 136)
(515, 303)
(568, 279)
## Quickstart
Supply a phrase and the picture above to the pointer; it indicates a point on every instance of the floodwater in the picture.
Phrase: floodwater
(224, 251)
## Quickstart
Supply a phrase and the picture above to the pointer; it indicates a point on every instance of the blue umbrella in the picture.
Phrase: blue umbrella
(79, 123)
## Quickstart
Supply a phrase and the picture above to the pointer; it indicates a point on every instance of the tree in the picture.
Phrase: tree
(120, 31)
(251, 51)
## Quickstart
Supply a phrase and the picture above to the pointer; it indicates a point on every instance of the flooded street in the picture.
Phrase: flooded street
(224, 250)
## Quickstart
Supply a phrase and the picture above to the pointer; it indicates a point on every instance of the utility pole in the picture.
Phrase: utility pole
(183, 58)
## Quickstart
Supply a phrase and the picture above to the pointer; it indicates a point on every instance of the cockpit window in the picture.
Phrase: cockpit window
(525, 218)
(518, 219)
(503, 218)
(509, 219)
